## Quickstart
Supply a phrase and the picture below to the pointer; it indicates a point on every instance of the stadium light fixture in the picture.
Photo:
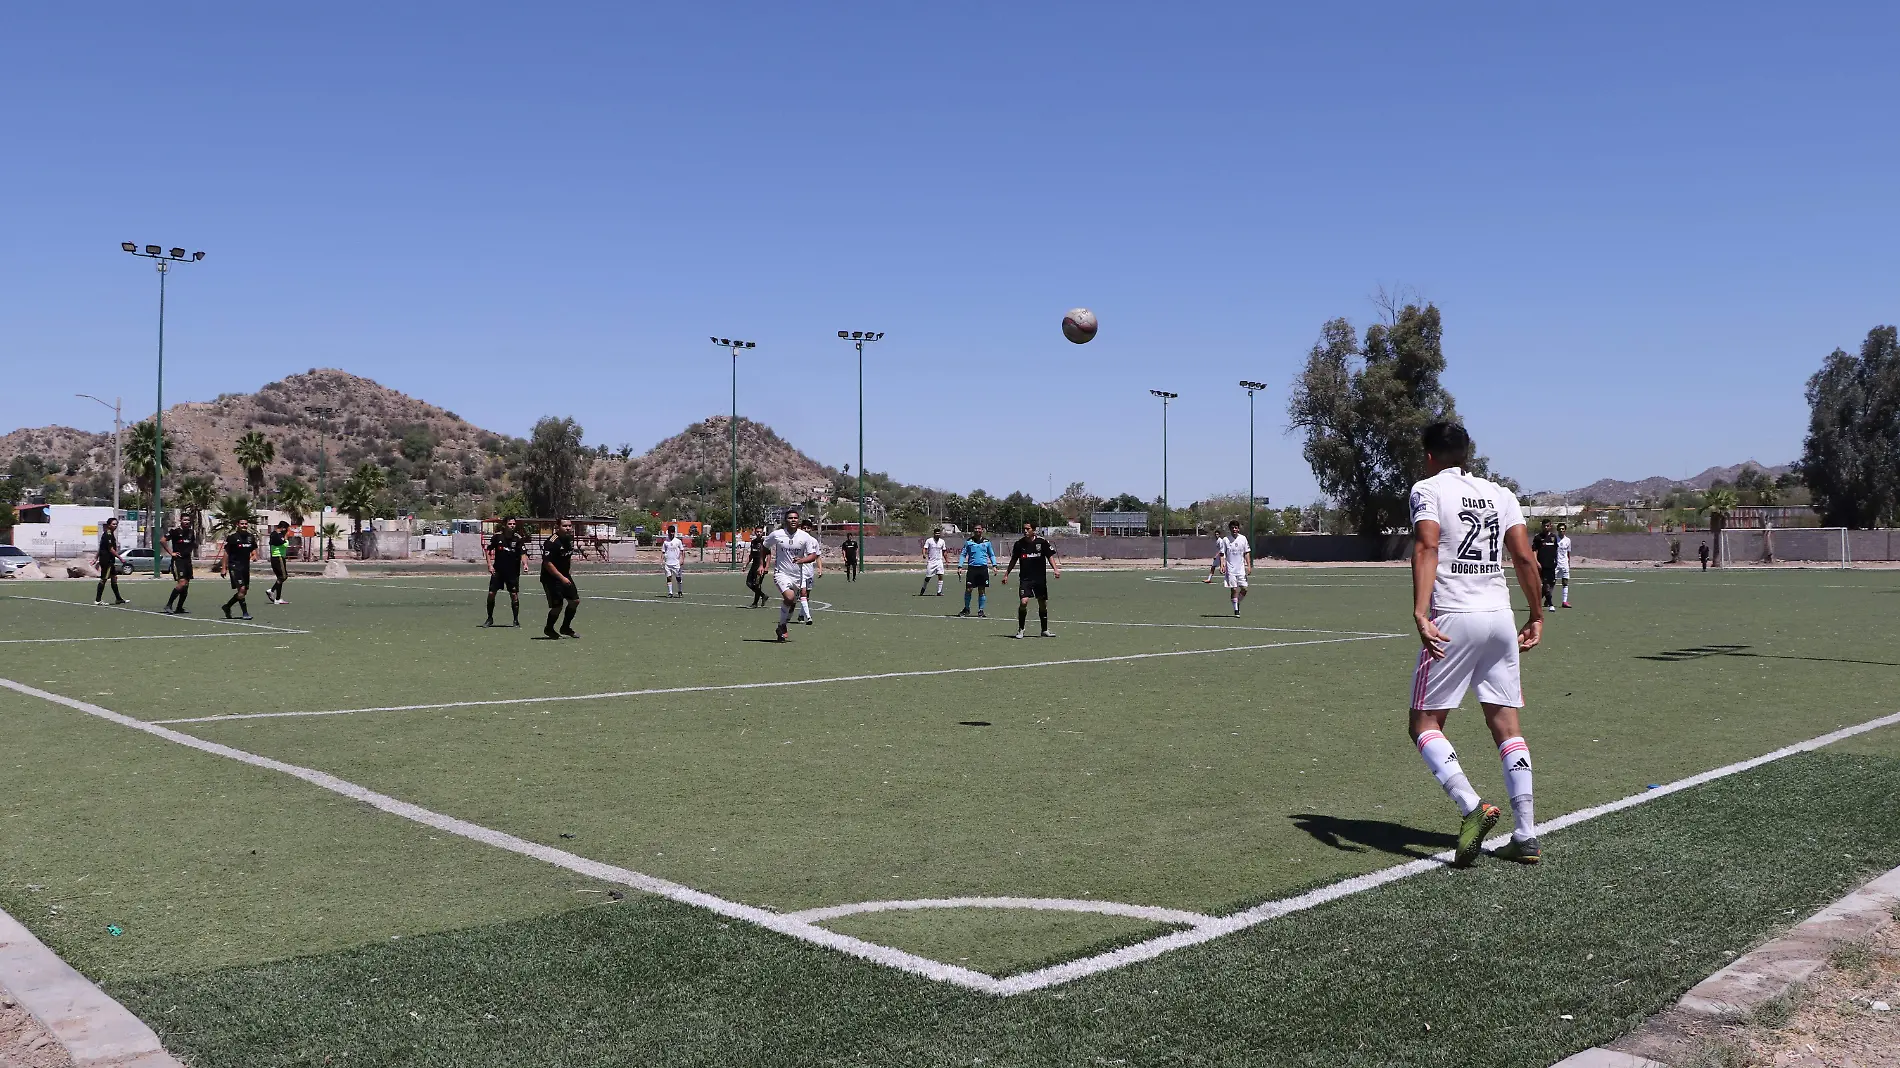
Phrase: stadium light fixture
(1251, 388)
(857, 339)
(732, 564)
(165, 260)
(1165, 398)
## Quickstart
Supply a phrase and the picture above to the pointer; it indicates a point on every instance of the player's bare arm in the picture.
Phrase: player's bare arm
(1424, 573)
(1524, 562)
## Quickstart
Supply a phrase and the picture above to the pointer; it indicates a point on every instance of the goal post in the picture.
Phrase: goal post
(1754, 547)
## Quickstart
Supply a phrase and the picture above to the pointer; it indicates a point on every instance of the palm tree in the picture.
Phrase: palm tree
(330, 532)
(1719, 502)
(231, 508)
(254, 453)
(358, 501)
(294, 497)
(145, 461)
(195, 496)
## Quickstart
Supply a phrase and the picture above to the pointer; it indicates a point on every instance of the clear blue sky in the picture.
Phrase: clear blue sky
(1645, 224)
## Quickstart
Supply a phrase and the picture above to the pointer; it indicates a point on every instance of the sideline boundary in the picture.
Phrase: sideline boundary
(895, 958)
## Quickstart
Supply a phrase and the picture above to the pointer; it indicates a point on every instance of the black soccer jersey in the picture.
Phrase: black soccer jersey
(1545, 545)
(559, 552)
(509, 547)
(182, 541)
(238, 548)
(108, 547)
(755, 563)
(850, 548)
(1031, 556)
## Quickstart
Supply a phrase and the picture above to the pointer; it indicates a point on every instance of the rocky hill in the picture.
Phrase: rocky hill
(704, 450)
(1614, 491)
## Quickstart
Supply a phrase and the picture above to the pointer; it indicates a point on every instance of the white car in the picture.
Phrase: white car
(13, 558)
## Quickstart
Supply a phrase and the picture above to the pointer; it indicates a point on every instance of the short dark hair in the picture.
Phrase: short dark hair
(1448, 443)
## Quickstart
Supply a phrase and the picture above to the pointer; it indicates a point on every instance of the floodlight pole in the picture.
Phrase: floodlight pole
(733, 471)
(323, 413)
(1250, 387)
(118, 445)
(857, 339)
(1165, 398)
(163, 260)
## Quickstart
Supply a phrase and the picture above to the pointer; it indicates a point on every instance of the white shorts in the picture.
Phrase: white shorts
(1482, 649)
(933, 569)
(1563, 572)
(810, 574)
(673, 570)
(1236, 580)
(789, 583)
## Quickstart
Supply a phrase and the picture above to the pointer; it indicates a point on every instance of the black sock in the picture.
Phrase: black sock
(181, 596)
(1044, 616)
(1022, 616)
(553, 614)
(173, 597)
(231, 602)
(491, 608)
(101, 591)
(567, 621)
(243, 607)
(514, 603)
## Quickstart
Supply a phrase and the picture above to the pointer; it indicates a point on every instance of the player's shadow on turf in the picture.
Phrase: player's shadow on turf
(1361, 836)
(1677, 656)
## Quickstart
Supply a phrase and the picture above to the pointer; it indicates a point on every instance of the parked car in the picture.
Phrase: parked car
(140, 560)
(13, 558)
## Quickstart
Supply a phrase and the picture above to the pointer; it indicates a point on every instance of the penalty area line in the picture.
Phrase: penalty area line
(778, 684)
(166, 615)
(560, 858)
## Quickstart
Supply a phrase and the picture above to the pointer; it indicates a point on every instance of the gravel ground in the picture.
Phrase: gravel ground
(24, 1043)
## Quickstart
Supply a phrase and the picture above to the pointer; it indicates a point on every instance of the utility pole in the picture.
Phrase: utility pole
(1250, 387)
(1165, 398)
(733, 476)
(118, 445)
(163, 260)
(324, 414)
(858, 338)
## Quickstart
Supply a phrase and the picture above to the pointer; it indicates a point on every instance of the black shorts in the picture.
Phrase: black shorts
(1034, 586)
(280, 567)
(978, 577)
(557, 590)
(181, 568)
(505, 580)
(240, 576)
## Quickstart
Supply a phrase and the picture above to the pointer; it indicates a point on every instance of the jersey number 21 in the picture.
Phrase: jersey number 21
(1475, 524)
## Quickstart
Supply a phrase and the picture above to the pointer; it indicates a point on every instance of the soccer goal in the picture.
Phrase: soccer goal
(1827, 546)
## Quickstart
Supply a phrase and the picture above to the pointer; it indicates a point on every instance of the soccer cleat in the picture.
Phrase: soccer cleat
(516, 623)
(980, 615)
(781, 632)
(1566, 604)
(1048, 633)
(1471, 832)
(549, 631)
(179, 611)
(1236, 611)
(809, 621)
(246, 615)
(119, 602)
(487, 624)
(940, 593)
(963, 614)
(1521, 850)
(227, 611)
(569, 632)
(1019, 633)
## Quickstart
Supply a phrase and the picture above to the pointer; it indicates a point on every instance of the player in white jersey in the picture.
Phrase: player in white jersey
(673, 552)
(933, 561)
(791, 549)
(1563, 562)
(1233, 560)
(1461, 525)
(810, 572)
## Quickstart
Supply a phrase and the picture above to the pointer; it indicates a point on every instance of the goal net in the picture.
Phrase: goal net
(1825, 546)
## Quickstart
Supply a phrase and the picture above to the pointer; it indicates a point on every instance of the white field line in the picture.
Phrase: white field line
(1360, 585)
(777, 684)
(560, 858)
(795, 926)
(152, 637)
(164, 615)
(1152, 913)
(1268, 910)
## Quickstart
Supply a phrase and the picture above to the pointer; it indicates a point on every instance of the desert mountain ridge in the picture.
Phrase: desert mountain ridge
(1615, 491)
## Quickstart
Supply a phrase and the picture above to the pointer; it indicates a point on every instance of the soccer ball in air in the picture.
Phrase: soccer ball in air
(1079, 325)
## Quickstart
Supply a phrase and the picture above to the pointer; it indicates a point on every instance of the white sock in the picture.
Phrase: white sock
(784, 613)
(1517, 782)
(940, 585)
(1443, 762)
(804, 608)
(1236, 599)
(1566, 593)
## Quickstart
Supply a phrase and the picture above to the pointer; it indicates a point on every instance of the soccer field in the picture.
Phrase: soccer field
(1165, 835)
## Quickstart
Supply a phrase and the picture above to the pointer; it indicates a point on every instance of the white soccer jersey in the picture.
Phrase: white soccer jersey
(673, 547)
(1563, 553)
(933, 551)
(786, 549)
(1233, 552)
(1473, 515)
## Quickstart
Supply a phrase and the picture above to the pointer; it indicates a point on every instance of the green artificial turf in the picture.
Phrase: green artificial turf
(1205, 782)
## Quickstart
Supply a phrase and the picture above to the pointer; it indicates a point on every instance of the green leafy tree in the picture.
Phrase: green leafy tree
(552, 475)
(330, 533)
(145, 459)
(1851, 458)
(230, 508)
(358, 496)
(196, 495)
(418, 444)
(9, 516)
(1719, 501)
(511, 506)
(294, 496)
(1363, 406)
(254, 453)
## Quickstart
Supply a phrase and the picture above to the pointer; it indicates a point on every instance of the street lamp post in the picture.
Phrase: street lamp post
(118, 444)
(163, 259)
(324, 414)
(1165, 398)
(857, 339)
(1250, 387)
(735, 346)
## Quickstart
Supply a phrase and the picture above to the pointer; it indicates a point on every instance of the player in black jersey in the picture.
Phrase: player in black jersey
(182, 543)
(557, 579)
(755, 571)
(506, 548)
(1038, 560)
(234, 559)
(109, 560)
(279, 561)
(850, 548)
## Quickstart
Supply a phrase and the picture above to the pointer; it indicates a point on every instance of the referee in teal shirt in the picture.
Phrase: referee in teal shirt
(979, 556)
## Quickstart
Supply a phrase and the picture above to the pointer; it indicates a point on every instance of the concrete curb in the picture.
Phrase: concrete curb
(97, 1031)
(1754, 979)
